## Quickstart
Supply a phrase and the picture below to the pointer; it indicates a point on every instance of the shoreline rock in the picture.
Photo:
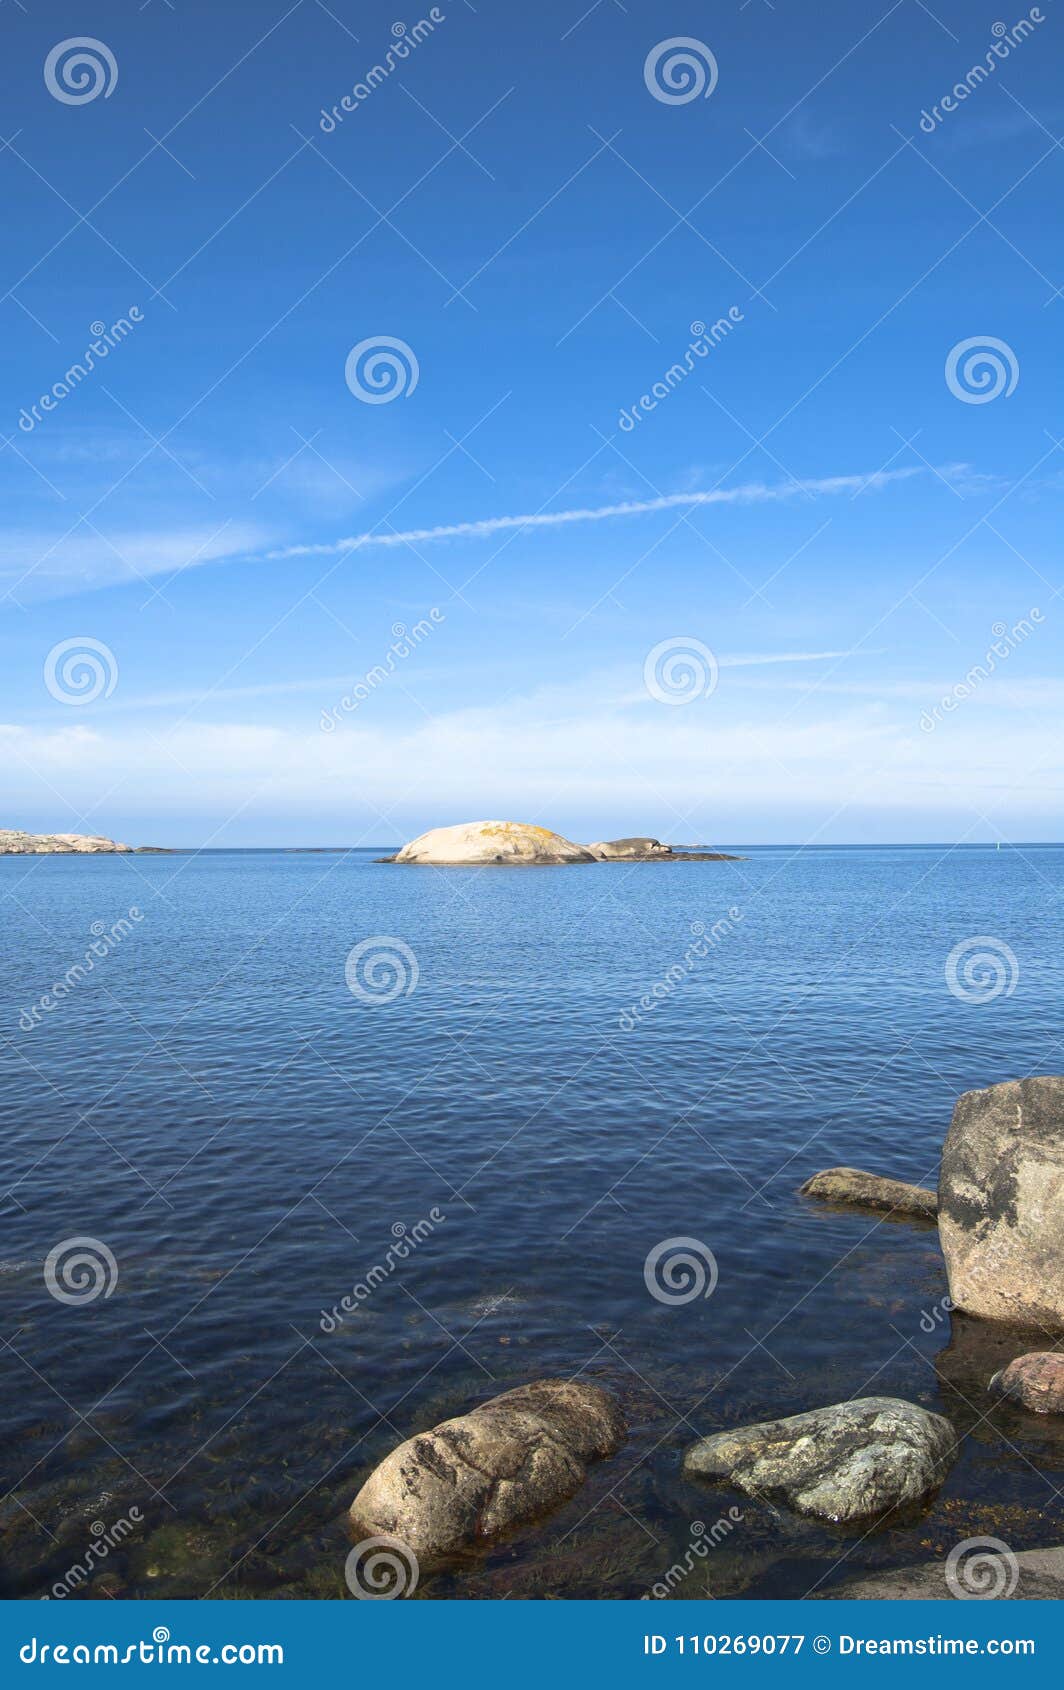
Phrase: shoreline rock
(1001, 1202)
(849, 1463)
(15, 843)
(469, 1480)
(854, 1187)
(1034, 1380)
(1031, 1575)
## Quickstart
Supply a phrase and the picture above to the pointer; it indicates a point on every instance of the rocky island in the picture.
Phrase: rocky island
(14, 843)
(521, 844)
(473, 843)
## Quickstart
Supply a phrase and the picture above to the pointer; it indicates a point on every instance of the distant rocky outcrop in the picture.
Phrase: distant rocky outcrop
(470, 844)
(646, 850)
(872, 1191)
(629, 850)
(471, 1479)
(1001, 1202)
(851, 1462)
(14, 843)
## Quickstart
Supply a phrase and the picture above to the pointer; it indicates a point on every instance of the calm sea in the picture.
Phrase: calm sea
(547, 1074)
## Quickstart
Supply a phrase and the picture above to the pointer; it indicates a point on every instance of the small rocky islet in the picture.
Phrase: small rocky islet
(861, 1465)
(15, 843)
(527, 845)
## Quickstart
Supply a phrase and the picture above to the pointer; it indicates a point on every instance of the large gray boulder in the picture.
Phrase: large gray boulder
(848, 1463)
(471, 1479)
(872, 1191)
(472, 844)
(1001, 1202)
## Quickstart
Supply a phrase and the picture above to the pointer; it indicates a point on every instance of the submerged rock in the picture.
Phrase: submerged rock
(1035, 1381)
(851, 1462)
(473, 843)
(470, 1479)
(872, 1191)
(1001, 1202)
(15, 843)
(988, 1571)
(976, 1351)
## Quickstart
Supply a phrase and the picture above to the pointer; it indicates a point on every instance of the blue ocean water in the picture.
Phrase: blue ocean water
(539, 1077)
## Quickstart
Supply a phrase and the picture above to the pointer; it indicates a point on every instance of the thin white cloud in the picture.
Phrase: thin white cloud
(753, 660)
(35, 564)
(751, 493)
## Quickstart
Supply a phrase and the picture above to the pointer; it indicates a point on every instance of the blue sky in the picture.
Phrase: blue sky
(515, 205)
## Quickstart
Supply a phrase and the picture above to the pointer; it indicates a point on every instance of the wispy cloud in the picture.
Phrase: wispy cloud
(755, 660)
(36, 564)
(750, 493)
(324, 684)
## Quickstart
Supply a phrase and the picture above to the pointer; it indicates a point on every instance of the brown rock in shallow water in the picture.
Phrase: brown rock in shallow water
(871, 1191)
(1035, 1380)
(472, 1478)
(1001, 1202)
